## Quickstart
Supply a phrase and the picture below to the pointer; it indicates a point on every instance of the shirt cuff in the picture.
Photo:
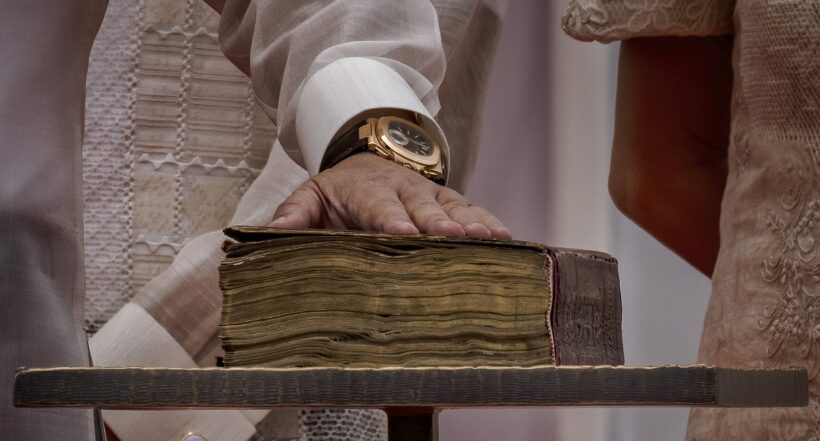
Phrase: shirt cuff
(133, 338)
(345, 90)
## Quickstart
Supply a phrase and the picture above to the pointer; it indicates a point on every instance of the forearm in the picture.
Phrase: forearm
(317, 66)
(668, 167)
(323, 69)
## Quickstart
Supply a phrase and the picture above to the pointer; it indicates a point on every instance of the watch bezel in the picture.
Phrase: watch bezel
(384, 138)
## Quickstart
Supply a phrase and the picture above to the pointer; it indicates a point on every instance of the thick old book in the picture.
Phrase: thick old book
(316, 298)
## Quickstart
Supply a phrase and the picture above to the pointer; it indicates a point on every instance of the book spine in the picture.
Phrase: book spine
(586, 308)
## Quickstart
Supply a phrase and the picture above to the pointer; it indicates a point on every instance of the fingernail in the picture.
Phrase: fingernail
(448, 228)
(404, 227)
(478, 230)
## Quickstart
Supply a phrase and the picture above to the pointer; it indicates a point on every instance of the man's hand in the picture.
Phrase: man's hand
(367, 192)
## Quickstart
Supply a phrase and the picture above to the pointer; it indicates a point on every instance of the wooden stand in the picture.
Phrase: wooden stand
(410, 396)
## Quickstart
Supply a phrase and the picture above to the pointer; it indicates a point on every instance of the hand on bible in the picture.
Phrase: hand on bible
(370, 193)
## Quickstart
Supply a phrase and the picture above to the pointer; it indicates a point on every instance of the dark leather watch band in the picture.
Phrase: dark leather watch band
(343, 147)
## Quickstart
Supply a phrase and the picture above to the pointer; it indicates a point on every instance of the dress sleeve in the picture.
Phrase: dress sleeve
(610, 20)
(317, 66)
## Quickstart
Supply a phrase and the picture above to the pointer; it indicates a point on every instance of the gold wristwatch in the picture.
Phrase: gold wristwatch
(394, 138)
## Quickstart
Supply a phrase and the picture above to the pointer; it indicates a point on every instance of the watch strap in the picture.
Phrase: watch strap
(343, 147)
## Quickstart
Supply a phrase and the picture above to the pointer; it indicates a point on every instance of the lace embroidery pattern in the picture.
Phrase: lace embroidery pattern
(109, 132)
(778, 72)
(173, 161)
(343, 425)
(770, 259)
(792, 321)
(620, 19)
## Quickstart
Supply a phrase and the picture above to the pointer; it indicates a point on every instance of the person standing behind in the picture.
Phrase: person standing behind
(716, 153)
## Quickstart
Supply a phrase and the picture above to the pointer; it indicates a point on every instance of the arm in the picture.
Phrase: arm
(317, 70)
(668, 167)
(332, 60)
(172, 320)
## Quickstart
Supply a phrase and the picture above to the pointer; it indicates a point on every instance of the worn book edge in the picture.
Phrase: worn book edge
(565, 333)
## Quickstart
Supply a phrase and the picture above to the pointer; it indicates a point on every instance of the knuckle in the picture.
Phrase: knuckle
(436, 217)
(380, 210)
(428, 203)
(446, 194)
(312, 184)
(309, 190)
(454, 204)
(426, 208)
(384, 201)
(424, 211)
(289, 205)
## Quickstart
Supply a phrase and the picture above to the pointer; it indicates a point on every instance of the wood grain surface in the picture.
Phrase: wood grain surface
(155, 388)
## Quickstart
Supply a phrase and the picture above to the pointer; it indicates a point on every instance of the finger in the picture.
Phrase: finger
(428, 215)
(383, 212)
(461, 212)
(477, 221)
(302, 209)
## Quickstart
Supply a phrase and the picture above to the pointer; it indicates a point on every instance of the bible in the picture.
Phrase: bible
(318, 298)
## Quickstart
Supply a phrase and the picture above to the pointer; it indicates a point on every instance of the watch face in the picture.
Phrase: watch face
(409, 138)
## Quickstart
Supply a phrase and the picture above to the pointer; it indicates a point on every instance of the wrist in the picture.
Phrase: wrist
(395, 138)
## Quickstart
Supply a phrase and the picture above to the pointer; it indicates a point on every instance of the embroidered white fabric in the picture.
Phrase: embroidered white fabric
(173, 139)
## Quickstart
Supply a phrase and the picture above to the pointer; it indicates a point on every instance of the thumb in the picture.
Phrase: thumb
(302, 209)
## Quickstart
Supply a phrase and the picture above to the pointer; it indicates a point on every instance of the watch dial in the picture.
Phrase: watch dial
(409, 138)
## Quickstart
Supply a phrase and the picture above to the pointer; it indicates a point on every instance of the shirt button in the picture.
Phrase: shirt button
(190, 436)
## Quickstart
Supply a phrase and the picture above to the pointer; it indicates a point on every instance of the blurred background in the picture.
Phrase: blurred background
(548, 90)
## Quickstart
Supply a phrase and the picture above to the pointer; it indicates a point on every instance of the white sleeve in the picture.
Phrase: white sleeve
(317, 66)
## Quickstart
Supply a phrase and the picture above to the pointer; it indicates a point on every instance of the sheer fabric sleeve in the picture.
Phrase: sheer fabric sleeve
(317, 65)
(610, 20)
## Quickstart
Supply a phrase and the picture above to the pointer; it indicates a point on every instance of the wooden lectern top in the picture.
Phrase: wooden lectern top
(164, 388)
